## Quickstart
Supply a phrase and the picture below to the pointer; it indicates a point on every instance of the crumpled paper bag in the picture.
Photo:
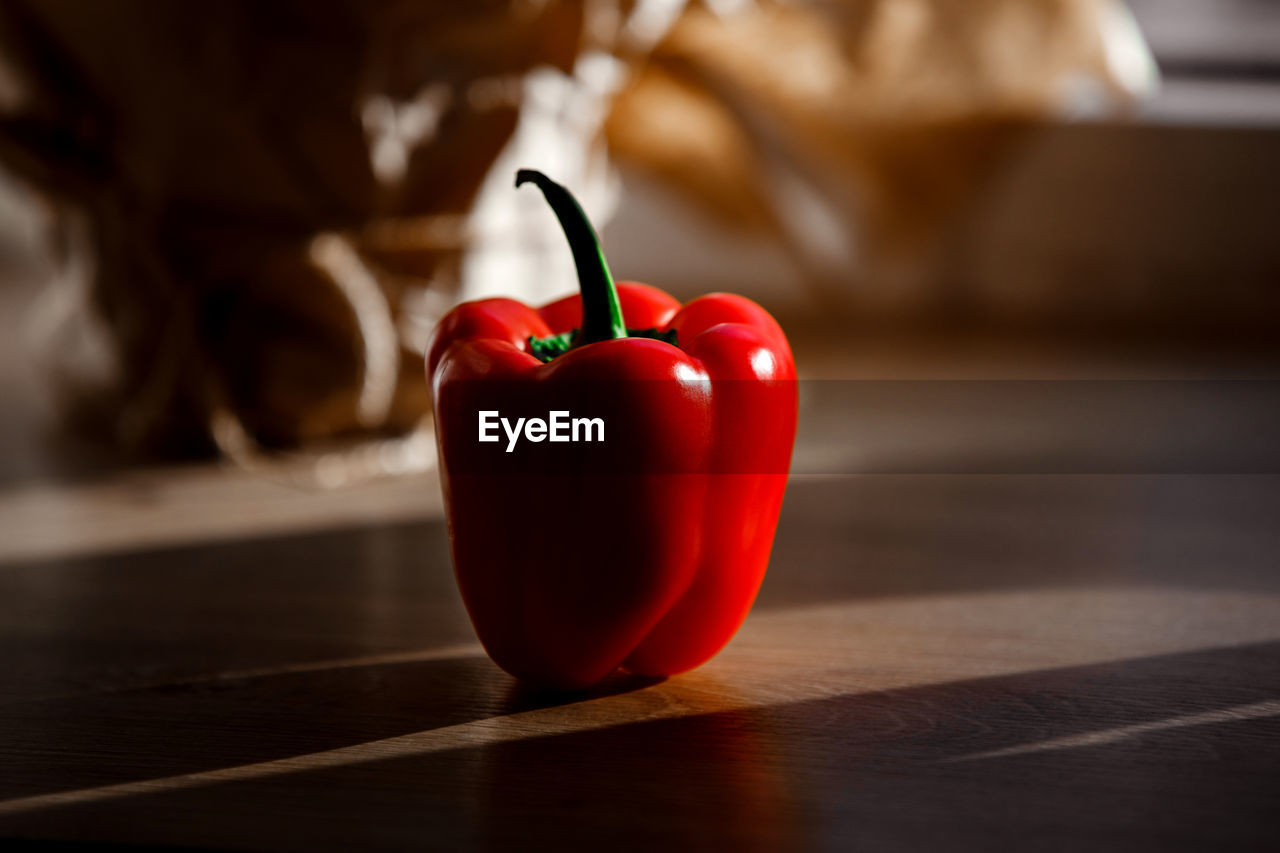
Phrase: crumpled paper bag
(262, 207)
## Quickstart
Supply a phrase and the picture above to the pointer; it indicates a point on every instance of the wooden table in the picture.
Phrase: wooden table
(975, 659)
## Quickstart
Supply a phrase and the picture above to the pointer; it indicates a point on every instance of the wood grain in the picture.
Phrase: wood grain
(974, 662)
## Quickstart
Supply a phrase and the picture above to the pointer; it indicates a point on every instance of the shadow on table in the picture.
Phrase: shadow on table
(1169, 752)
(868, 537)
(114, 737)
(1175, 751)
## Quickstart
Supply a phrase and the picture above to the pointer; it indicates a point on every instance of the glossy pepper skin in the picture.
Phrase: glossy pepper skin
(644, 551)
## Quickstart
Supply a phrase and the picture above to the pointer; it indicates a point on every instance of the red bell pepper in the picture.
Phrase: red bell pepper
(643, 550)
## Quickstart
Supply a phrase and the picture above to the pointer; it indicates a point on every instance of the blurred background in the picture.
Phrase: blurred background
(1024, 584)
(227, 231)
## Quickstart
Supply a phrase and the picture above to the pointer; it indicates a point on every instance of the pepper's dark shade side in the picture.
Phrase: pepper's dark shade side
(644, 552)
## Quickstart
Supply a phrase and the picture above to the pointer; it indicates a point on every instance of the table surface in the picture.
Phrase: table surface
(979, 655)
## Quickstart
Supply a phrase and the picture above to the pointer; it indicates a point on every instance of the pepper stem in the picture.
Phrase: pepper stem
(601, 311)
